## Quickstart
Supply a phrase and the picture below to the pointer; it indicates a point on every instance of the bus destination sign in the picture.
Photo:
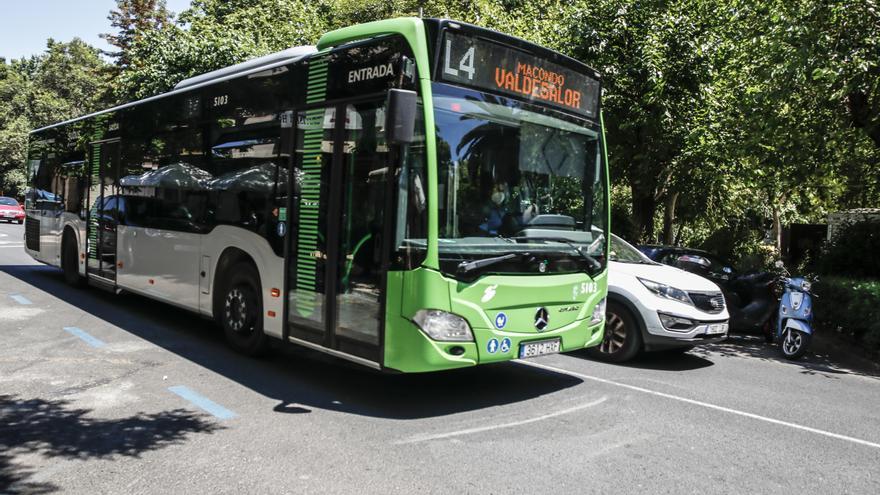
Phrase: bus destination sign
(496, 68)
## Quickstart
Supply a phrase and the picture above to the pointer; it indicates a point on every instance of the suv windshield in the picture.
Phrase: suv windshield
(517, 178)
(624, 252)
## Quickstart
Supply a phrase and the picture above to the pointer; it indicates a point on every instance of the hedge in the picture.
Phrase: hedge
(850, 308)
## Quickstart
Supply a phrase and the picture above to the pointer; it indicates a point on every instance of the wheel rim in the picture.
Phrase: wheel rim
(239, 311)
(615, 334)
(792, 342)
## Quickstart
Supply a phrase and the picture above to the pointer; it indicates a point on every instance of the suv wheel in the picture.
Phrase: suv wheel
(622, 340)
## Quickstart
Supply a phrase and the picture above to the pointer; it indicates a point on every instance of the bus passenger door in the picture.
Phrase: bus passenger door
(103, 213)
(360, 237)
(306, 254)
(337, 224)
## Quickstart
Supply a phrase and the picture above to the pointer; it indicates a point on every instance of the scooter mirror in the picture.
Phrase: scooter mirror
(779, 264)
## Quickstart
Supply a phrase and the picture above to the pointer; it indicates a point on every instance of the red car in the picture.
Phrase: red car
(10, 210)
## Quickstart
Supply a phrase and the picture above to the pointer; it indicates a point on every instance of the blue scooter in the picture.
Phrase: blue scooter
(794, 329)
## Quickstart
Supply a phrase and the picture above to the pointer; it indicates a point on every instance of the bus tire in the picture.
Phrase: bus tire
(241, 310)
(70, 260)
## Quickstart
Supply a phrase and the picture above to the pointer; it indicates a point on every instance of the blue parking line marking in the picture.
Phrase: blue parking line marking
(203, 402)
(85, 337)
(20, 299)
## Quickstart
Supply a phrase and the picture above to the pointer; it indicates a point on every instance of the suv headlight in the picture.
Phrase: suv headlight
(443, 326)
(599, 311)
(666, 291)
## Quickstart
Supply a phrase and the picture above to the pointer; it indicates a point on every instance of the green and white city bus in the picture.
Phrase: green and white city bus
(410, 194)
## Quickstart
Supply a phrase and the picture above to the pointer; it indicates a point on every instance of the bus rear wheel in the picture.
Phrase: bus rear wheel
(69, 261)
(241, 310)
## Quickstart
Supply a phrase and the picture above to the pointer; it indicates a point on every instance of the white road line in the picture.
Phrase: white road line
(20, 299)
(469, 431)
(703, 404)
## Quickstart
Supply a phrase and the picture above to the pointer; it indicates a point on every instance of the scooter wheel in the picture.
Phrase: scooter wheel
(794, 343)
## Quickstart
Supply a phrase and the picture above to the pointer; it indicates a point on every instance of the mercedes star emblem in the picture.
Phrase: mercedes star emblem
(542, 317)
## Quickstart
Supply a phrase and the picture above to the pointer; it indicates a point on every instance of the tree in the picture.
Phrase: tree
(132, 20)
(67, 81)
(793, 144)
(213, 34)
(654, 58)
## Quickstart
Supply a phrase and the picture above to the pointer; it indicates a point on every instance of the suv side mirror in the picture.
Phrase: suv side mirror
(400, 116)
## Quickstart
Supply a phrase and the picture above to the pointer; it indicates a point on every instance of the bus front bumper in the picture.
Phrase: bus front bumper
(411, 351)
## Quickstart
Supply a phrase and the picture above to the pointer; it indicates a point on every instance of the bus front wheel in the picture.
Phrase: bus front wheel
(241, 310)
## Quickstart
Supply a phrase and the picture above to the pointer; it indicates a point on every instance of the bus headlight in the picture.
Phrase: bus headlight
(443, 326)
(598, 312)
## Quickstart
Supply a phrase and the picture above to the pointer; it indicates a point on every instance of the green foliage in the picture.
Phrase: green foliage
(853, 251)
(132, 19)
(655, 59)
(850, 308)
(66, 81)
(213, 34)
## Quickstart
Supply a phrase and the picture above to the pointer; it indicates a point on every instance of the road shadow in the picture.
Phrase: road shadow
(819, 360)
(676, 361)
(54, 429)
(297, 378)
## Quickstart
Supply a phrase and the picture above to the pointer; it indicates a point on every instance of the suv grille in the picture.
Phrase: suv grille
(710, 302)
(32, 233)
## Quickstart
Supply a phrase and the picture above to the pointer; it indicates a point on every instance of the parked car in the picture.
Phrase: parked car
(652, 306)
(749, 296)
(702, 263)
(10, 210)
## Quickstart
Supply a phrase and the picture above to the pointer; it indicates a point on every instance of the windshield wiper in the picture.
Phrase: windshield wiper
(593, 262)
(469, 266)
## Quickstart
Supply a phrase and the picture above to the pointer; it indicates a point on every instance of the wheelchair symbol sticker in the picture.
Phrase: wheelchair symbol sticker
(505, 345)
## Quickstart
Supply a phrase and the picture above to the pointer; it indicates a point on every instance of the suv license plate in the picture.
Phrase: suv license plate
(532, 349)
(716, 328)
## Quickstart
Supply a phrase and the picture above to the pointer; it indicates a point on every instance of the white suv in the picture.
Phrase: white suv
(653, 307)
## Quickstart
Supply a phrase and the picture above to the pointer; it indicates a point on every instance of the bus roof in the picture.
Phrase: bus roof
(258, 64)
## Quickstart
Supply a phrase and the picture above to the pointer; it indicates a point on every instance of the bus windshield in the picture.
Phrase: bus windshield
(517, 178)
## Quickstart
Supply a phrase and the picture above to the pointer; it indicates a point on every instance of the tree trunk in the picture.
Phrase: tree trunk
(669, 218)
(644, 205)
(677, 240)
(777, 229)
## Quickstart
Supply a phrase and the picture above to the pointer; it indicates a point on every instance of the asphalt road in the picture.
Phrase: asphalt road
(118, 394)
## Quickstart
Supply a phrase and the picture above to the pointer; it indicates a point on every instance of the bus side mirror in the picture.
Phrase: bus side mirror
(400, 116)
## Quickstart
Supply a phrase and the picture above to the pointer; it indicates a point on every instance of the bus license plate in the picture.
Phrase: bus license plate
(532, 349)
